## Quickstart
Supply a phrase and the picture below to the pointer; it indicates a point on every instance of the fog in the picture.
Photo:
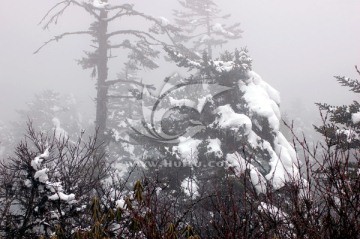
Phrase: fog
(91, 153)
(296, 46)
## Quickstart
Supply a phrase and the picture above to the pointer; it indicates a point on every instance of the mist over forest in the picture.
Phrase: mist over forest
(179, 119)
(287, 40)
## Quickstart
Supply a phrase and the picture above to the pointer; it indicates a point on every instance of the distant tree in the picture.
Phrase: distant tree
(138, 45)
(48, 110)
(201, 21)
(125, 105)
(7, 140)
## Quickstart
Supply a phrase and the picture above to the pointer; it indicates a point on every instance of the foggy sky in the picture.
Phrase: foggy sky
(296, 46)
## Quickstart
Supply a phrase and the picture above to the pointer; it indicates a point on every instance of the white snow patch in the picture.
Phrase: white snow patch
(41, 175)
(122, 124)
(163, 21)
(239, 165)
(355, 117)
(36, 162)
(257, 180)
(230, 120)
(28, 183)
(202, 101)
(236, 162)
(190, 187)
(62, 196)
(59, 133)
(273, 211)
(100, 4)
(187, 148)
(273, 93)
(224, 66)
(182, 102)
(217, 27)
(214, 146)
(45, 154)
(158, 190)
(190, 62)
(120, 203)
(350, 134)
(262, 100)
(283, 162)
(54, 187)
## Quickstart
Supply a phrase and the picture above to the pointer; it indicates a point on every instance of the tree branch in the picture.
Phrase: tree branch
(54, 17)
(87, 7)
(140, 34)
(59, 37)
(111, 82)
(120, 96)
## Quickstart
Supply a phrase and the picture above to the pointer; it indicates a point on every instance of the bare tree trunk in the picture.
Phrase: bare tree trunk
(208, 26)
(102, 88)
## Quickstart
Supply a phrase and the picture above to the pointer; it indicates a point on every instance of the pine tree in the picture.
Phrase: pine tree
(341, 123)
(199, 19)
(341, 131)
(125, 105)
(233, 126)
(7, 141)
(47, 107)
(135, 44)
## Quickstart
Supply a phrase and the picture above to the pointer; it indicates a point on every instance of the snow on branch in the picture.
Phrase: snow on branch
(181, 60)
(41, 175)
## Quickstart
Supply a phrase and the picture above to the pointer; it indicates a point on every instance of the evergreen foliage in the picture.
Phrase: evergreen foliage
(136, 45)
(341, 123)
(221, 121)
(200, 22)
(71, 203)
(45, 107)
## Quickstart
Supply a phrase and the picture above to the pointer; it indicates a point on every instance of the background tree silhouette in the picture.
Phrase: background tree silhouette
(203, 30)
(138, 45)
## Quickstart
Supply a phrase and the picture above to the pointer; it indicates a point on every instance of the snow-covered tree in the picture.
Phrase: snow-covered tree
(202, 23)
(233, 126)
(47, 185)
